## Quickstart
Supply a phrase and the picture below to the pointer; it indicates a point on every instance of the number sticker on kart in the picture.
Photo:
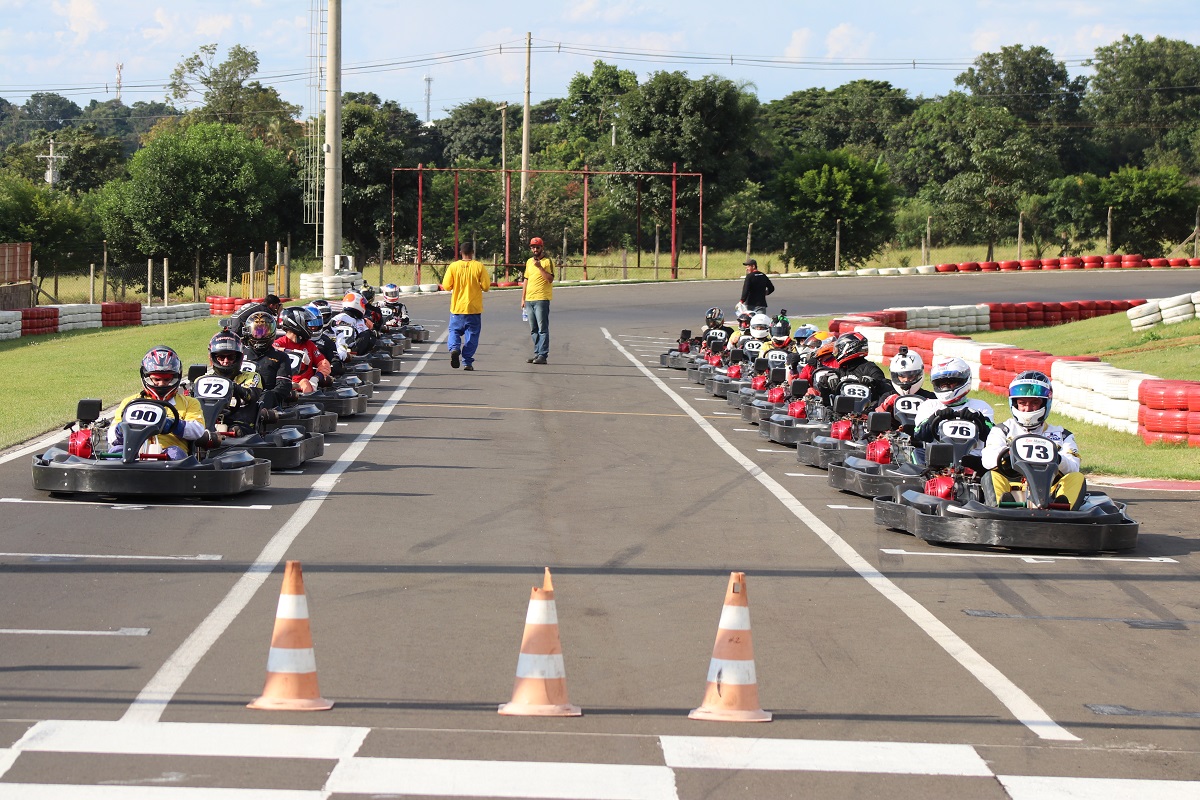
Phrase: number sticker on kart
(147, 414)
(753, 347)
(249, 366)
(907, 404)
(1034, 449)
(956, 430)
(717, 335)
(211, 387)
(856, 390)
(777, 356)
(294, 359)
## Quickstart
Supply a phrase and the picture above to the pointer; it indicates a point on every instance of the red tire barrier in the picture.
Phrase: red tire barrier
(968, 266)
(1163, 395)
(989, 266)
(1010, 266)
(1031, 263)
(946, 267)
(1158, 263)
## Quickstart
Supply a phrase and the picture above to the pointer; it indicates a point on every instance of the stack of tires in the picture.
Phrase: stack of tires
(1170, 412)
(162, 315)
(1097, 393)
(225, 306)
(1179, 308)
(10, 325)
(35, 321)
(1144, 315)
(119, 315)
(75, 316)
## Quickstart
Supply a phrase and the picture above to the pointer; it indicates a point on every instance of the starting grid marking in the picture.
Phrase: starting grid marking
(354, 774)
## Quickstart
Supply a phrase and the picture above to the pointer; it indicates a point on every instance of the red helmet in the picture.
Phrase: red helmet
(161, 372)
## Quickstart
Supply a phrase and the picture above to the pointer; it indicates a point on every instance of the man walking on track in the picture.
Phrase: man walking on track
(755, 288)
(535, 298)
(467, 280)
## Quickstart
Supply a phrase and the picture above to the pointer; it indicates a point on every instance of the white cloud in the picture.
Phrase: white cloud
(797, 46)
(847, 41)
(595, 11)
(167, 27)
(82, 18)
(213, 26)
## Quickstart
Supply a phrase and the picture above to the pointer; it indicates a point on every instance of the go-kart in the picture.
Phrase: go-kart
(385, 356)
(726, 377)
(950, 511)
(87, 466)
(305, 416)
(846, 432)
(683, 353)
(888, 460)
(773, 400)
(286, 447)
(799, 420)
(752, 387)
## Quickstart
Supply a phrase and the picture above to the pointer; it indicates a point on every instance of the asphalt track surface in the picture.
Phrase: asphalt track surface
(132, 635)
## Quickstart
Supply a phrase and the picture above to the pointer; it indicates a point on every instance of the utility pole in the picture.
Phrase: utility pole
(503, 140)
(52, 165)
(119, 68)
(525, 126)
(331, 243)
(428, 96)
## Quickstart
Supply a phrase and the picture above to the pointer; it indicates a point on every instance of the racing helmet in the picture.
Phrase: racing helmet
(908, 370)
(294, 320)
(760, 326)
(802, 333)
(161, 363)
(781, 332)
(714, 317)
(368, 292)
(815, 340)
(951, 379)
(1031, 384)
(324, 309)
(743, 321)
(354, 303)
(315, 321)
(391, 294)
(823, 355)
(225, 353)
(258, 329)
(850, 346)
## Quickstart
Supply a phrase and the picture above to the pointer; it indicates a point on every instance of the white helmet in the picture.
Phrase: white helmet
(760, 326)
(1030, 385)
(908, 370)
(353, 301)
(951, 379)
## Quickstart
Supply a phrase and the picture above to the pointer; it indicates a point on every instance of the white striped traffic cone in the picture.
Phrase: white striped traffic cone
(732, 692)
(540, 689)
(291, 665)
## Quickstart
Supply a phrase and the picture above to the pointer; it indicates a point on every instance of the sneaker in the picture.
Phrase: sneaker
(468, 368)
(538, 360)
(454, 354)
(531, 359)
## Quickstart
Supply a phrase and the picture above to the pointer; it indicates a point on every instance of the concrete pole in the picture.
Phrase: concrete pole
(331, 243)
(166, 282)
(525, 127)
(1108, 248)
(149, 281)
(837, 246)
(1020, 234)
(229, 274)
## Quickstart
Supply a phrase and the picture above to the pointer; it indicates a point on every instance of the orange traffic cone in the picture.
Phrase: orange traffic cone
(291, 666)
(732, 693)
(540, 689)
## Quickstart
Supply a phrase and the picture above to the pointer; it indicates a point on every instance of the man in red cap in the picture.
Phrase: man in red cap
(535, 298)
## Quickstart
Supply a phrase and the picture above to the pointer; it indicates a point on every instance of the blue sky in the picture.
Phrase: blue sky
(73, 46)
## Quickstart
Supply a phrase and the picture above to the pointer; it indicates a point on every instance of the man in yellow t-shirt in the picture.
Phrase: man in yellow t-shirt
(535, 298)
(467, 280)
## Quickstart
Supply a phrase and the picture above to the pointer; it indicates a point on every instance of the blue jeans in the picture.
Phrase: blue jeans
(539, 326)
(464, 335)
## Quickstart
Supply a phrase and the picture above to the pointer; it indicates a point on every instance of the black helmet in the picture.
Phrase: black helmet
(225, 353)
(368, 292)
(743, 321)
(714, 317)
(258, 329)
(323, 308)
(849, 346)
(781, 331)
(161, 363)
(294, 320)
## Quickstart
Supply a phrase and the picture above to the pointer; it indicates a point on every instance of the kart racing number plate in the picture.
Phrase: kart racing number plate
(777, 357)
(1035, 449)
(907, 404)
(717, 335)
(856, 390)
(752, 348)
(956, 430)
(143, 414)
(249, 366)
(295, 359)
(212, 387)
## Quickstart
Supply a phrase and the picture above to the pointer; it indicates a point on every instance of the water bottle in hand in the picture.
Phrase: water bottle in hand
(524, 314)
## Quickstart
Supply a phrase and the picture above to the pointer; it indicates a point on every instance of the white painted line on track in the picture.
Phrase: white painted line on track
(133, 506)
(58, 791)
(769, 450)
(116, 557)
(117, 632)
(892, 758)
(36, 446)
(436, 776)
(1012, 696)
(726, 414)
(851, 508)
(803, 474)
(746, 430)
(1039, 558)
(288, 472)
(1037, 787)
(708, 400)
(343, 424)
(152, 701)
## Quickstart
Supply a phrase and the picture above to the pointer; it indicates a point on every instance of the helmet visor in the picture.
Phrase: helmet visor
(1029, 389)
(947, 383)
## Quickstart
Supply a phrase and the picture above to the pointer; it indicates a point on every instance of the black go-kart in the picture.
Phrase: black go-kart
(1032, 520)
(305, 416)
(286, 447)
(88, 467)
(727, 376)
(846, 433)
(385, 355)
(773, 400)
(889, 459)
(684, 352)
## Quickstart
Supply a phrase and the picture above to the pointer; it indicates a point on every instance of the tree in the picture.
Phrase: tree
(817, 188)
(91, 160)
(857, 114)
(1151, 207)
(208, 189)
(1068, 215)
(127, 123)
(56, 223)
(588, 112)
(750, 205)
(1144, 94)
(472, 131)
(50, 111)
(1037, 90)
(229, 96)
